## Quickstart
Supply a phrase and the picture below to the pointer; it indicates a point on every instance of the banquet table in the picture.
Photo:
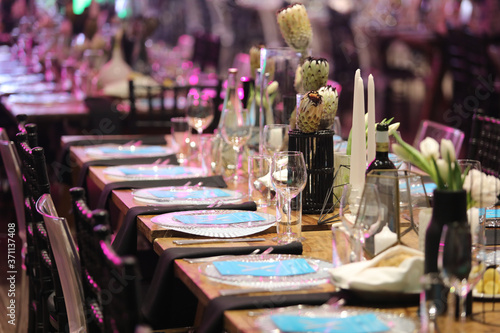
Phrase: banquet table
(317, 244)
(74, 110)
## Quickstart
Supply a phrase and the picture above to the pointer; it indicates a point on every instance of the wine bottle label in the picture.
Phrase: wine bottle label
(382, 146)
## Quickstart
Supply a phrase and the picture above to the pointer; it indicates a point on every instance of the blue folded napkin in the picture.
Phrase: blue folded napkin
(229, 218)
(198, 194)
(161, 171)
(493, 213)
(138, 150)
(365, 323)
(264, 268)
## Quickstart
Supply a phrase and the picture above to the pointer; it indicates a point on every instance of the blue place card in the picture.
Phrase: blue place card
(161, 171)
(365, 323)
(198, 194)
(263, 268)
(493, 213)
(137, 150)
(236, 217)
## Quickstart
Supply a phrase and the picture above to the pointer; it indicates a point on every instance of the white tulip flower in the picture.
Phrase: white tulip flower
(448, 150)
(442, 168)
(429, 148)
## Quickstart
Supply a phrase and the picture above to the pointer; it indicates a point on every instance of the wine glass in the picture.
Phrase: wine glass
(236, 131)
(275, 138)
(360, 212)
(288, 177)
(461, 261)
(199, 112)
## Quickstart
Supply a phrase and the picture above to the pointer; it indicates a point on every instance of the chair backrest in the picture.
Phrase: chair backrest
(206, 51)
(152, 106)
(67, 262)
(110, 282)
(12, 167)
(439, 131)
(484, 143)
(40, 261)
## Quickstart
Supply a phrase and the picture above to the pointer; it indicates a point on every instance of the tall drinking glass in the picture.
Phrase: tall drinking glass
(360, 213)
(275, 138)
(461, 261)
(236, 131)
(289, 177)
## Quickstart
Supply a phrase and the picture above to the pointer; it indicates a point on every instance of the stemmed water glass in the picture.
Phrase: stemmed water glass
(360, 212)
(236, 131)
(275, 138)
(199, 113)
(288, 177)
(461, 261)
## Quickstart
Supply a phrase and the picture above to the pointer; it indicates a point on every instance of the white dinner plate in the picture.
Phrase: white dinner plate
(152, 171)
(186, 195)
(319, 276)
(123, 151)
(395, 322)
(230, 230)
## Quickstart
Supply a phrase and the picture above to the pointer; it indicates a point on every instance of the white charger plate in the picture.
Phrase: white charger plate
(145, 195)
(123, 151)
(153, 171)
(230, 230)
(321, 274)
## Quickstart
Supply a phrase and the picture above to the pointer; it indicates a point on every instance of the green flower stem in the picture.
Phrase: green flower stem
(413, 156)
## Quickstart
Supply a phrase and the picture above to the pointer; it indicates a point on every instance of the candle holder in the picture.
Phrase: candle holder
(318, 153)
(403, 195)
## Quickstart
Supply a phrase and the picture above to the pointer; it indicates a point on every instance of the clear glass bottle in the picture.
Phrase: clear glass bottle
(231, 100)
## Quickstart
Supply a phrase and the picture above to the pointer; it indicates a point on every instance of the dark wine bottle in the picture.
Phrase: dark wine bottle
(381, 160)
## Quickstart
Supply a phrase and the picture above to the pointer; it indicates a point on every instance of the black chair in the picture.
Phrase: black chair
(47, 307)
(484, 143)
(206, 51)
(152, 106)
(466, 55)
(12, 165)
(110, 282)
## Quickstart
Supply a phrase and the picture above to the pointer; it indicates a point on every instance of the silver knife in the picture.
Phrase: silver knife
(216, 240)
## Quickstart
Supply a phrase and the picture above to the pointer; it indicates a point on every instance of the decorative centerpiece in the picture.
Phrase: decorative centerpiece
(315, 108)
(458, 189)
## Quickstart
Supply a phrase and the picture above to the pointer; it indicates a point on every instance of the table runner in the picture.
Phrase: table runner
(82, 176)
(211, 181)
(213, 318)
(125, 242)
(64, 162)
(168, 302)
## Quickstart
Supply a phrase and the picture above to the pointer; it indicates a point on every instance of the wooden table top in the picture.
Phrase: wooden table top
(317, 244)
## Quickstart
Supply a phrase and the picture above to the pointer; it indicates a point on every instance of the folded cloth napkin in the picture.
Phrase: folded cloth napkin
(398, 270)
(213, 317)
(168, 303)
(125, 242)
(211, 181)
(64, 161)
(82, 176)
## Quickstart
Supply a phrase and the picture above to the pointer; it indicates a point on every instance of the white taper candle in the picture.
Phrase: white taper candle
(358, 146)
(371, 120)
